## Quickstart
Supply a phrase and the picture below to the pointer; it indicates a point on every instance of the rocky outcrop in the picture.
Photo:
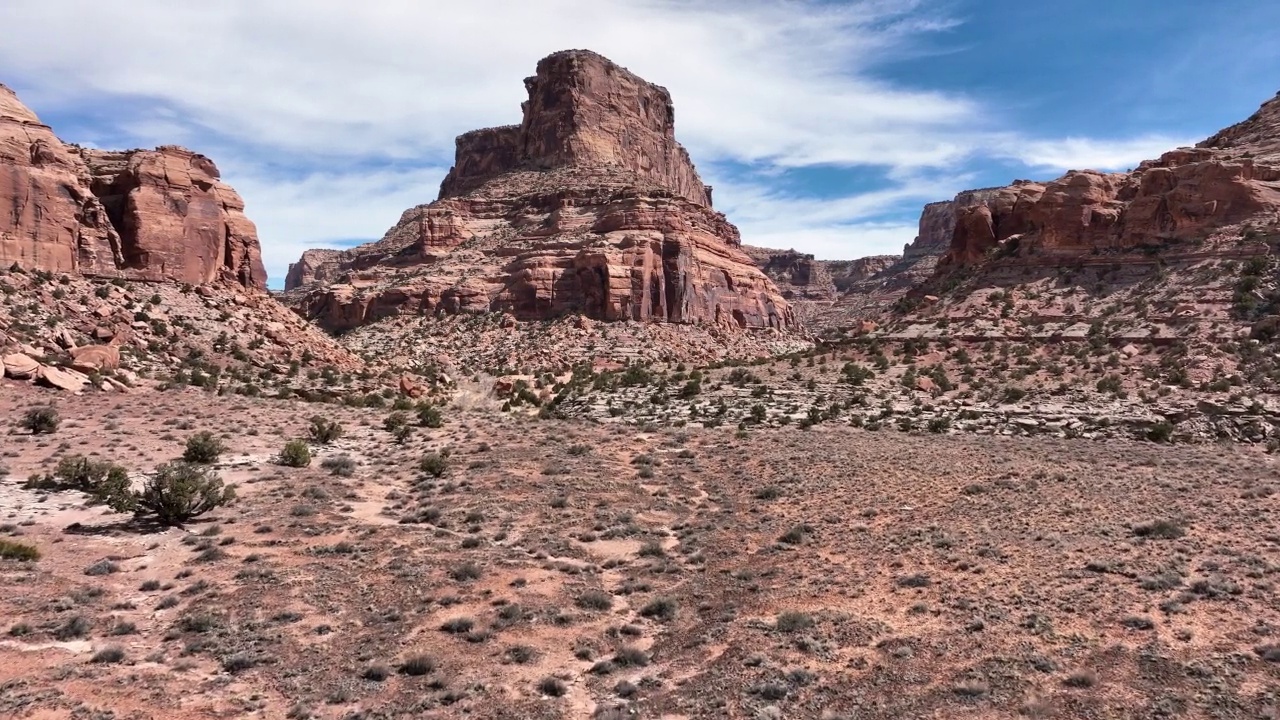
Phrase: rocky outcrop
(1257, 138)
(1184, 195)
(315, 266)
(798, 275)
(588, 207)
(152, 215)
(583, 110)
(846, 274)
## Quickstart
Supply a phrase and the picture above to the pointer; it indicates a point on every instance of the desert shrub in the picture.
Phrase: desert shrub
(295, 454)
(323, 430)
(342, 465)
(176, 493)
(521, 654)
(102, 567)
(430, 415)
(791, 621)
(552, 687)
(1161, 432)
(108, 655)
(768, 492)
(434, 464)
(99, 479)
(630, 657)
(918, 580)
(663, 608)
(394, 421)
(418, 665)
(458, 625)
(41, 420)
(72, 628)
(203, 448)
(594, 600)
(796, 535)
(10, 550)
(376, 673)
(1160, 530)
(465, 571)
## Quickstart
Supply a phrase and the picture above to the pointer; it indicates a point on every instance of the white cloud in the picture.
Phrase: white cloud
(755, 80)
(1093, 154)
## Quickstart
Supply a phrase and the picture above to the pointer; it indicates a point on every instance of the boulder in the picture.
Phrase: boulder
(20, 367)
(926, 384)
(410, 387)
(95, 358)
(68, 380)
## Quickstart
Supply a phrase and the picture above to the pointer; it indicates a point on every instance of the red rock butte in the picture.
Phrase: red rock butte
(153, 215)
(589, 206)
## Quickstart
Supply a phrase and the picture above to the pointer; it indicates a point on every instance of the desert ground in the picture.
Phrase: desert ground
(506, 566)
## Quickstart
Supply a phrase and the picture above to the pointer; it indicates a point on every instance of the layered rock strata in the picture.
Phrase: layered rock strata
(588, 207)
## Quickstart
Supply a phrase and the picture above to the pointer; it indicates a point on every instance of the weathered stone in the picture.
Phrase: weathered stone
(68, 380)
(95, 358)
(143, 214)
(1183, 195)
(411, 388)
(589, 207)
(20, 367)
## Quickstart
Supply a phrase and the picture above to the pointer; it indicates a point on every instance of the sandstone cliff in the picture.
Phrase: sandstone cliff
(798, 275)
(155, 215)
(588, 207)
(1181, 197)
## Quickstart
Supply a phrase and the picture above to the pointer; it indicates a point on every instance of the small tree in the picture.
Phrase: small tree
(203, 448)
(295, 454)
(41, 420)
(178, 492)
(324, 431)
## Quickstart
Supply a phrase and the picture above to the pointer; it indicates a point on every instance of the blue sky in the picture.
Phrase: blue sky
(823, 125)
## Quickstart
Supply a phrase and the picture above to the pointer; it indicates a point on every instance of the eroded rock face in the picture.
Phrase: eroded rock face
(588, 207)
(583, 110)
(797, 275)
(1184, 195)
(156, 215)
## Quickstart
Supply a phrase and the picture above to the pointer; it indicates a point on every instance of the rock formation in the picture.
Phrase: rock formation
(798, 275)
(589, 207)
(1184, 195)
(155, 215)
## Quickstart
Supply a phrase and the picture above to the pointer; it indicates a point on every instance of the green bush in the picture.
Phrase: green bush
(296, 453)
(41, 420)
(203, 448)
(324, 431)
(176, 493)
(99, 479)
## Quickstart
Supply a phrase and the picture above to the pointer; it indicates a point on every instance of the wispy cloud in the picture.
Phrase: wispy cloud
(1093, 154)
